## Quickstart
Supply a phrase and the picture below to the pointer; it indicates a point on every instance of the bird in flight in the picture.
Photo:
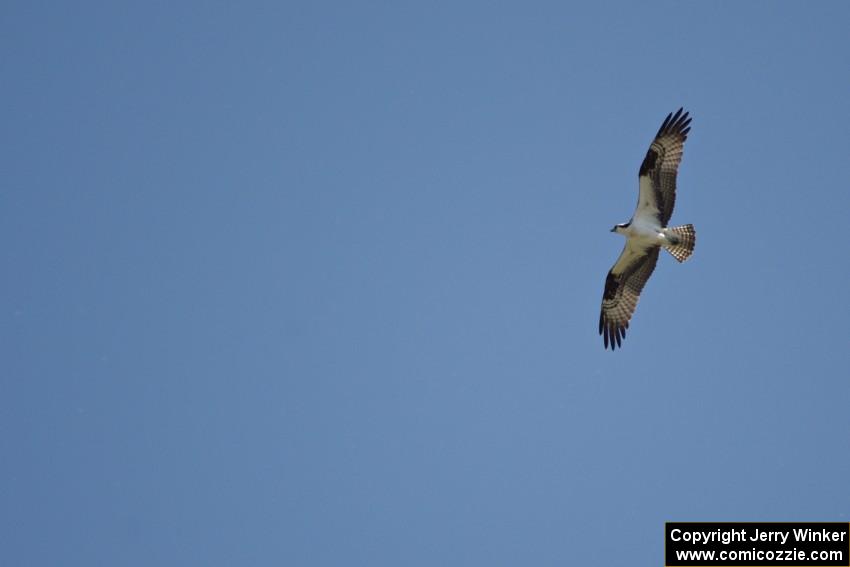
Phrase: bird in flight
(647, 232)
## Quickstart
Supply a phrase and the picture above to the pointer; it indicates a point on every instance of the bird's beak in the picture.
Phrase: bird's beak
(614, 229)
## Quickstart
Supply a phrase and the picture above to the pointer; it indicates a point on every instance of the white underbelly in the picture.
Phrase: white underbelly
(646, 234)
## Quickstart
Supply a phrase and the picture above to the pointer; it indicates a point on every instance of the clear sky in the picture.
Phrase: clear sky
(304, 283)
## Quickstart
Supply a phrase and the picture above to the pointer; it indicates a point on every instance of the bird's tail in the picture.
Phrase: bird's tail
(682, 241)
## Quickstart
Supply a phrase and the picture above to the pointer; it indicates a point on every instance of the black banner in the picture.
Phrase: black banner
(762, 544)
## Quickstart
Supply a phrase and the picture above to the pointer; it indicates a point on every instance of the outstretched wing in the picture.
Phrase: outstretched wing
(623, 285)
(657, 175)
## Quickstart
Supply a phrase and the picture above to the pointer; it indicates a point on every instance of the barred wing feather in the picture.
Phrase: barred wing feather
(657, 174)
(623, 286)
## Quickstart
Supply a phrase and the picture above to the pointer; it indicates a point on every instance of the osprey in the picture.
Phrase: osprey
(647, 232)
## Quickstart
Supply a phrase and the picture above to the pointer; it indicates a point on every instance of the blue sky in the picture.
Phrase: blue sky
(318, 283)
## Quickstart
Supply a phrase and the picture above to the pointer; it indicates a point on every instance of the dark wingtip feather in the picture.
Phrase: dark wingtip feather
(612, 333)
(678, 122)
(664, 124)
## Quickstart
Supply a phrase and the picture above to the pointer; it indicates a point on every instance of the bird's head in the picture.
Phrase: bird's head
(619, 228)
